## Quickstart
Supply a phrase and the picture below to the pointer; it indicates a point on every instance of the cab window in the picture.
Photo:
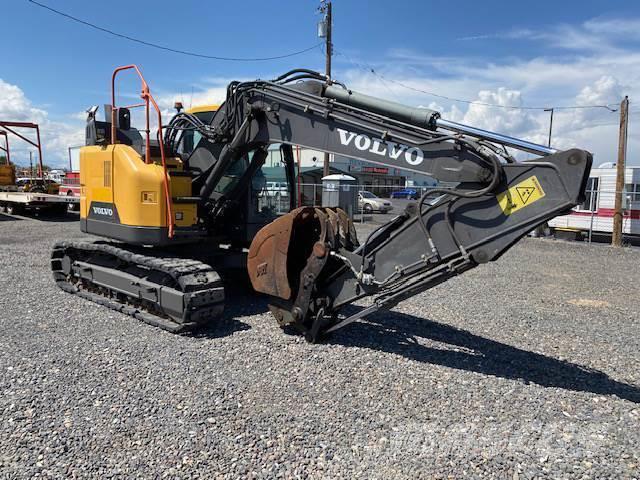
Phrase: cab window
(233, 174)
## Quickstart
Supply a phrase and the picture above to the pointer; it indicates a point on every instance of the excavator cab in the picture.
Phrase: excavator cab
(138, 190)
(249, 202)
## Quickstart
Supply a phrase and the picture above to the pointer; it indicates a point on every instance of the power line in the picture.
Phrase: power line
(368, 69)
(168, 49)
(495, 105)
(470, 102)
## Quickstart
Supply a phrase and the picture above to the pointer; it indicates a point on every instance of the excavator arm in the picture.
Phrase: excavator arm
(309, 261)
(311, 114)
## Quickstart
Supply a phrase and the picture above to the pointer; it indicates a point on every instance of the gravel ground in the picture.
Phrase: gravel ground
(524, 368)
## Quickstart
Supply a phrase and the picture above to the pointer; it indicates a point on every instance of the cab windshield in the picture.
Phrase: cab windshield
(233, 174)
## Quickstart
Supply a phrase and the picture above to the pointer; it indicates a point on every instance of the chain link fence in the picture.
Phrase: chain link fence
(590, 221)
(594, 218)
(374, 203)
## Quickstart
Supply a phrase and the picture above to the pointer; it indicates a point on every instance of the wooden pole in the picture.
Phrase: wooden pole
(616, 237)
(329, 51)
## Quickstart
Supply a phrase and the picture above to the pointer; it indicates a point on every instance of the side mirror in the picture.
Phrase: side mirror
(124, 119)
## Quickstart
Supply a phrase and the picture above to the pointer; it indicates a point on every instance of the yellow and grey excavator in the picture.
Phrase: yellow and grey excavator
(181, 207)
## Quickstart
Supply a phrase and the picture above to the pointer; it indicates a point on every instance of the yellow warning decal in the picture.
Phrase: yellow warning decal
(521, 195)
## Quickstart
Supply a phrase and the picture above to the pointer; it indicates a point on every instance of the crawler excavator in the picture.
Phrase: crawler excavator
(181, 207)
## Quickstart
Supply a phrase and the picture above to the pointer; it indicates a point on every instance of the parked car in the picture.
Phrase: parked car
(408, 193)
(369, 203)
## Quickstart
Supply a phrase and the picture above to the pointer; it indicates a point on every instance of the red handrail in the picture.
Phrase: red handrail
(145, 94)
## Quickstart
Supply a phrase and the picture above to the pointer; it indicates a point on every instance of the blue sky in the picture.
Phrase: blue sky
(543, 53)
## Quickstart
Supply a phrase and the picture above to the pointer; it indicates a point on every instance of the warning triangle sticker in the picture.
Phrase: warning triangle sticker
(525, 193)
(520, 196)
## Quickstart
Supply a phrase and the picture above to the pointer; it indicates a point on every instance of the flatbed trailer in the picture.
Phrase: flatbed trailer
(21, 202)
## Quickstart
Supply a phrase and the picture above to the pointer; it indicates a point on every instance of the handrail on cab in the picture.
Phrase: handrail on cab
(145, 94)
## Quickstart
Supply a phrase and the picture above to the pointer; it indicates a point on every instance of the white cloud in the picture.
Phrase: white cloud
(15, 105)
(56, 136)
(506, 120)
(618, 27)
(597, 34)
(607, 89)
(211, 90)
(79, 116)
(589, 64)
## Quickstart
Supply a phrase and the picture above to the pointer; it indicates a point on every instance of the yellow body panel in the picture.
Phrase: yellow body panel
(7, 175)
(117, 174)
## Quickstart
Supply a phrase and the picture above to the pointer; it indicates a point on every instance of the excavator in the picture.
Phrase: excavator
(182, 208)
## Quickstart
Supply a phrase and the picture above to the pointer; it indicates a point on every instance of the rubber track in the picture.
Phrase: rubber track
(203, 286)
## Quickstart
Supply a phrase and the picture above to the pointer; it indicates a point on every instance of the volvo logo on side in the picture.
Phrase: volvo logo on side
(103, 211)
(412, 155)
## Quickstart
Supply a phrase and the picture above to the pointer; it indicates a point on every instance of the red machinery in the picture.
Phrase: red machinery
(9, 127)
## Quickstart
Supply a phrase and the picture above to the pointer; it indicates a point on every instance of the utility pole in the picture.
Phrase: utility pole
(325, 32)
(550, 124)
(616, 237)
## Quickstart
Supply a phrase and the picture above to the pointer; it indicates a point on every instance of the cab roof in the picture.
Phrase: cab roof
(203, 108)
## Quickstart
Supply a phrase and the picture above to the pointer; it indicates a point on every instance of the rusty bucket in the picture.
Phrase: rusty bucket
(280, 250)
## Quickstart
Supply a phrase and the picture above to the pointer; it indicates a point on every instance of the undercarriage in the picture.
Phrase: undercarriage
(173, 293)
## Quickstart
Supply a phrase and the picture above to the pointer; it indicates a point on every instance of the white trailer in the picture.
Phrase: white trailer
(16, 203)
(596, 213)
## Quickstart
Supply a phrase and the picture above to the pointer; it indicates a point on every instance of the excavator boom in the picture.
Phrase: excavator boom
(310, 263)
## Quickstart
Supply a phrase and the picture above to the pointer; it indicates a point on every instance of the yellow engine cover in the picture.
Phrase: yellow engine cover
(119, 190)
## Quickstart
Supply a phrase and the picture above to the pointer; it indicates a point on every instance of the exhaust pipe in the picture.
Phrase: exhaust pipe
(426, 118)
